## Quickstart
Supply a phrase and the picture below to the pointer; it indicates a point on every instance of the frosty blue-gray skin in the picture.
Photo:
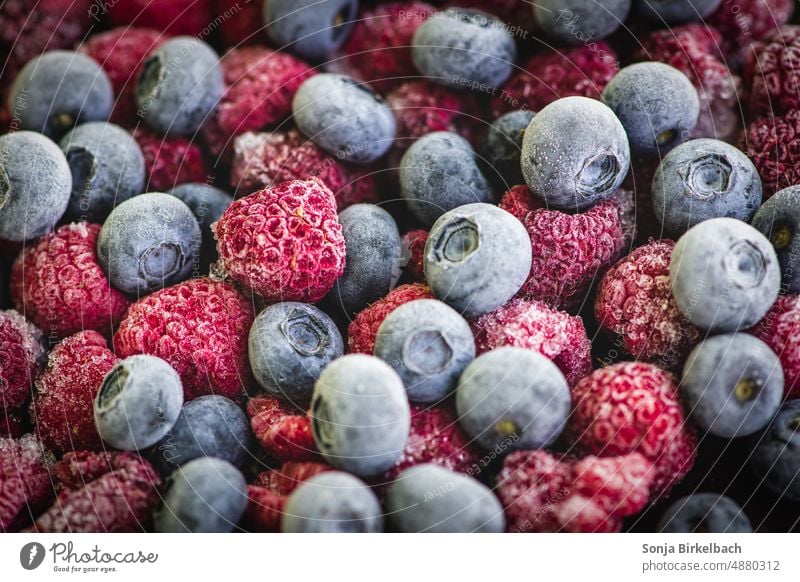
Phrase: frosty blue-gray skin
(107, 168)
(373, 253)
(476, 258)
(702, 179)
(427, 498)
(149, 242)
(574, 153)
(208, 426)
(577, 22)
(440, 172)
(360, 415)
(344, 117)
(657, 105)
(206, 495)
(724, 275)
(332, 502)
(35, 184)
(179, 86)
(289, 346)
(732, 384)
(311, 29)
(207, 203)
(428, 344)
(514, 398)
(662, 12)
(776, 453)
(501, 147)
(58, 90)
(138, 402)
(778, 219)
(704, 513)
(464, 49)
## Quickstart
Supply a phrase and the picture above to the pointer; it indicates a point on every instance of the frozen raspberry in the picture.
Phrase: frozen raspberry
(749, 21)
(285, 242)
(362, 330)
(414, 249)
(633, 407)
(773, 145)
(516, 13)
(11, 423)
(535, 326)
(170, 161)
(21, 351)
(200, 328)
(635, 300)
(281, 429)
(772, 74)
(189, 17)
(244, 23)
(63, 406)
(780, 330)
(519, 202)
(24, 481)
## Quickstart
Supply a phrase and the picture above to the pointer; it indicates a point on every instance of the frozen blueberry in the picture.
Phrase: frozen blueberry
(58, 90)
(179, 86)
(732, 384)
(138, 402)
(208, 426)
(332, 502)
(312, 29)
(344, 117)
(778, 219)
(35, 183)
(574, 153)
(502, 145)
(702, 179)
(206, 495)
(657, 105)
(464, 49)
(207, 203)
(360, 415)
(107, 169)
(289, 346)
(704, 513)
(676, 11)
(577, 22)
(724, 275)
(477, 257)
(429, 344)
(513, 397)
(430, 499)
(374, 250)
(776, 455)
(149, 242)
(439, 172)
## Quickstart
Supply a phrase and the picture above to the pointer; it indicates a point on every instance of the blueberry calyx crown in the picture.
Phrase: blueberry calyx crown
(598, 174)
(305, 333)
(707, 176)
(427, 352)
(459, 239)
(745, 264)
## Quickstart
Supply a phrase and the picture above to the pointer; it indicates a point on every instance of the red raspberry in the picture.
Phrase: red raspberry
(200, 328)
(170, 161)
(24, 481)
(773, 145)
(285, 242)
(780, 330)
(745, 21)
(633, 407)
(535, 326)
(59, 285)
(362, 330)
(189, 17)
(21, 351)
(772, 74)
(63, 406)
(519, 202)
(414, 248)
(281, 429)
(244, 23)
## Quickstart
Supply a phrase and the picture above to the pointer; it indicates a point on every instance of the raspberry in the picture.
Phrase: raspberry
(362, 330)
(281, 429)
(535, 326)
(519, 202)
(635, 300)
(773, 146)
(246, 27)
(633, 407)
(414, 248)
(24, 481)
(177, 17)
(200, 328)
(772, 74)
(20, 353)
(749, 21)
(11, 423)
(780, 330)
(63, 406)
(285, 242)
(59, 285)
(170, 161)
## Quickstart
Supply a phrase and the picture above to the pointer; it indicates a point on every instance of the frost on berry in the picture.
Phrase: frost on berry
(21, 352)
(282, 430)
(780, 330)
(25, 485)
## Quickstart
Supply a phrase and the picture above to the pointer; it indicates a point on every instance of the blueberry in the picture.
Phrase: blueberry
(778, 219)
(344, 117)
(207, 204)
(657, 105)
(149, 242)
(704, 513)
(724, 275)
(360, 415)
(776, 454)
(513, 397)
(138, 402)
(208, 426)
(332, 502)
(206, 495)
(477, 257)
(676, 11)
(58, 90)
(439, 172)
(429, 344)
(501, 147)
(289, 346)
(179, 86)
(577, 22)
(574, 153)
(312, 29)
(427, 498)
(702, 179)
(35, 183)
(107, 168)
(732, 384)
(464, 49)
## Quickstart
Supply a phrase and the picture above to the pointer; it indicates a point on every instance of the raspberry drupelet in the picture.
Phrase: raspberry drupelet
(25, 485)
(749, 21)
(21, 352)
(780, 330)
(772, 144)
(170, 161)
(281, 429)
(177, 17)
(772, 74)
